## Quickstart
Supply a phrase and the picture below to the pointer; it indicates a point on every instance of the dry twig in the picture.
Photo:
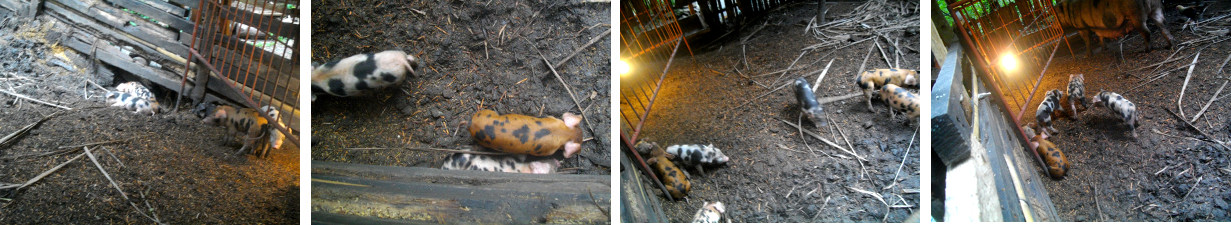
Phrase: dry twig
(35, 100)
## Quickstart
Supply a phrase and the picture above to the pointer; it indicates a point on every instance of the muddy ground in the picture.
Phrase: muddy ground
(172, 165)
(1153, 177)
(474, 55)
(776, 174)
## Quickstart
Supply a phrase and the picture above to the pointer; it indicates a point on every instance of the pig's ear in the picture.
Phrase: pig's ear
(571, 120)
(571, 148)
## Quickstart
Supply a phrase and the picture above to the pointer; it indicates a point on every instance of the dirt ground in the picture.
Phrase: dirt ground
(1153, 177)
(474, 55)
(173, 166)
(776, 174)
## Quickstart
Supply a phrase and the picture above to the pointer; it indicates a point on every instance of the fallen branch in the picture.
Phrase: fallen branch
(569, 90)
(878, 197)
(35, 100)
(592, 41)
(1208, 137)
(1207, 104)
(22, 132)
(1179, 103)
(42, 175)
(827, 100)
(823, 72)
(830, 143)
(117, 186)
(903, 163)
(96, 143)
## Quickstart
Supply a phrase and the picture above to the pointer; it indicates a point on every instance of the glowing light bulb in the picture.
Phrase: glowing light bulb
(1008, 62)
(622, 68)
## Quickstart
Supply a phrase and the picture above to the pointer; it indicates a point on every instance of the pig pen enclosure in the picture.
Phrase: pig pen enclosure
(1176, 169)
(67, 157)
(472, 56)
(727, 85)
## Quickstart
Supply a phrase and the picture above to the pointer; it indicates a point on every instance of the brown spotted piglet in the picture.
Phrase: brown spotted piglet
(872, 80)
(521, 134)
(1057, 163)
(672, 177)
(902, 100)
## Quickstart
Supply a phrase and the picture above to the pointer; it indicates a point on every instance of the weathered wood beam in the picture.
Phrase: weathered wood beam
(166, 49)
(354, 193)
(176, 22)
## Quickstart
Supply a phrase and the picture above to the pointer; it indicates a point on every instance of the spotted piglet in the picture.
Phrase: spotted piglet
(710, 212)
(807, 102)
(501, 163)
(131, 101)
(1049, 106)
(872, 80)
(900, 99)
(521, 134)
(361, 74)
(1124, 108)
(1077, 93)
(275, 137)
(698, 156)
(671, 176)
(246, 124)
(1057, 163)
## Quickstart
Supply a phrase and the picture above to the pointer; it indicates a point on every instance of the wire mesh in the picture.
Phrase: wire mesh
(250, 46)
(1026, 30)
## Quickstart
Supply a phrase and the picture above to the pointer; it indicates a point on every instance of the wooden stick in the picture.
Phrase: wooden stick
(865, 61)
(435, 149)
(1224, 63)
(749, 78)
(117, 186)
(1208, 137)
(903, 163)
(21, 132)
(828, 100)
(96, 143)
(592, 41)
(45, 173)
(830, 143)
(882, 51)
(569, 90)
(758, 97)
(1207, 104)
(35, 100)
(823, 72)
(788, 68)
(1179, 103)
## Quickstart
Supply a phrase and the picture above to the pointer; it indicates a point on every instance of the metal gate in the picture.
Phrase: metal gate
(1021, 31)
(249, 47)
(650, 38)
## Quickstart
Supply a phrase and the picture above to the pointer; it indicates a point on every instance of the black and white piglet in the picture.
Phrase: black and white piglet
(698, 156)
(131, 101)
(275, 137)
(501, 163)
(807, 102)
(360, 74)
(1124, 108)
(1049, 106)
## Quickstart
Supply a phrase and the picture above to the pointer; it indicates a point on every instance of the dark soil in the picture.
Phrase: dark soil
(1153, 177)
(186, 171)
(474, 55)
(776, 174)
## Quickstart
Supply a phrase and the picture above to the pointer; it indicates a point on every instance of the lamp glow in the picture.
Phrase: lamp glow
(622, 68)
(1008, 62)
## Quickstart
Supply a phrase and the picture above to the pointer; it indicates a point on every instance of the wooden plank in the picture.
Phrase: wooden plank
(107, 54)
(192, 4)
(172, 9)
(12, 5)
(177, 22)
(343, 192)
(174, 52)
(272, 24)
(119, 19)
